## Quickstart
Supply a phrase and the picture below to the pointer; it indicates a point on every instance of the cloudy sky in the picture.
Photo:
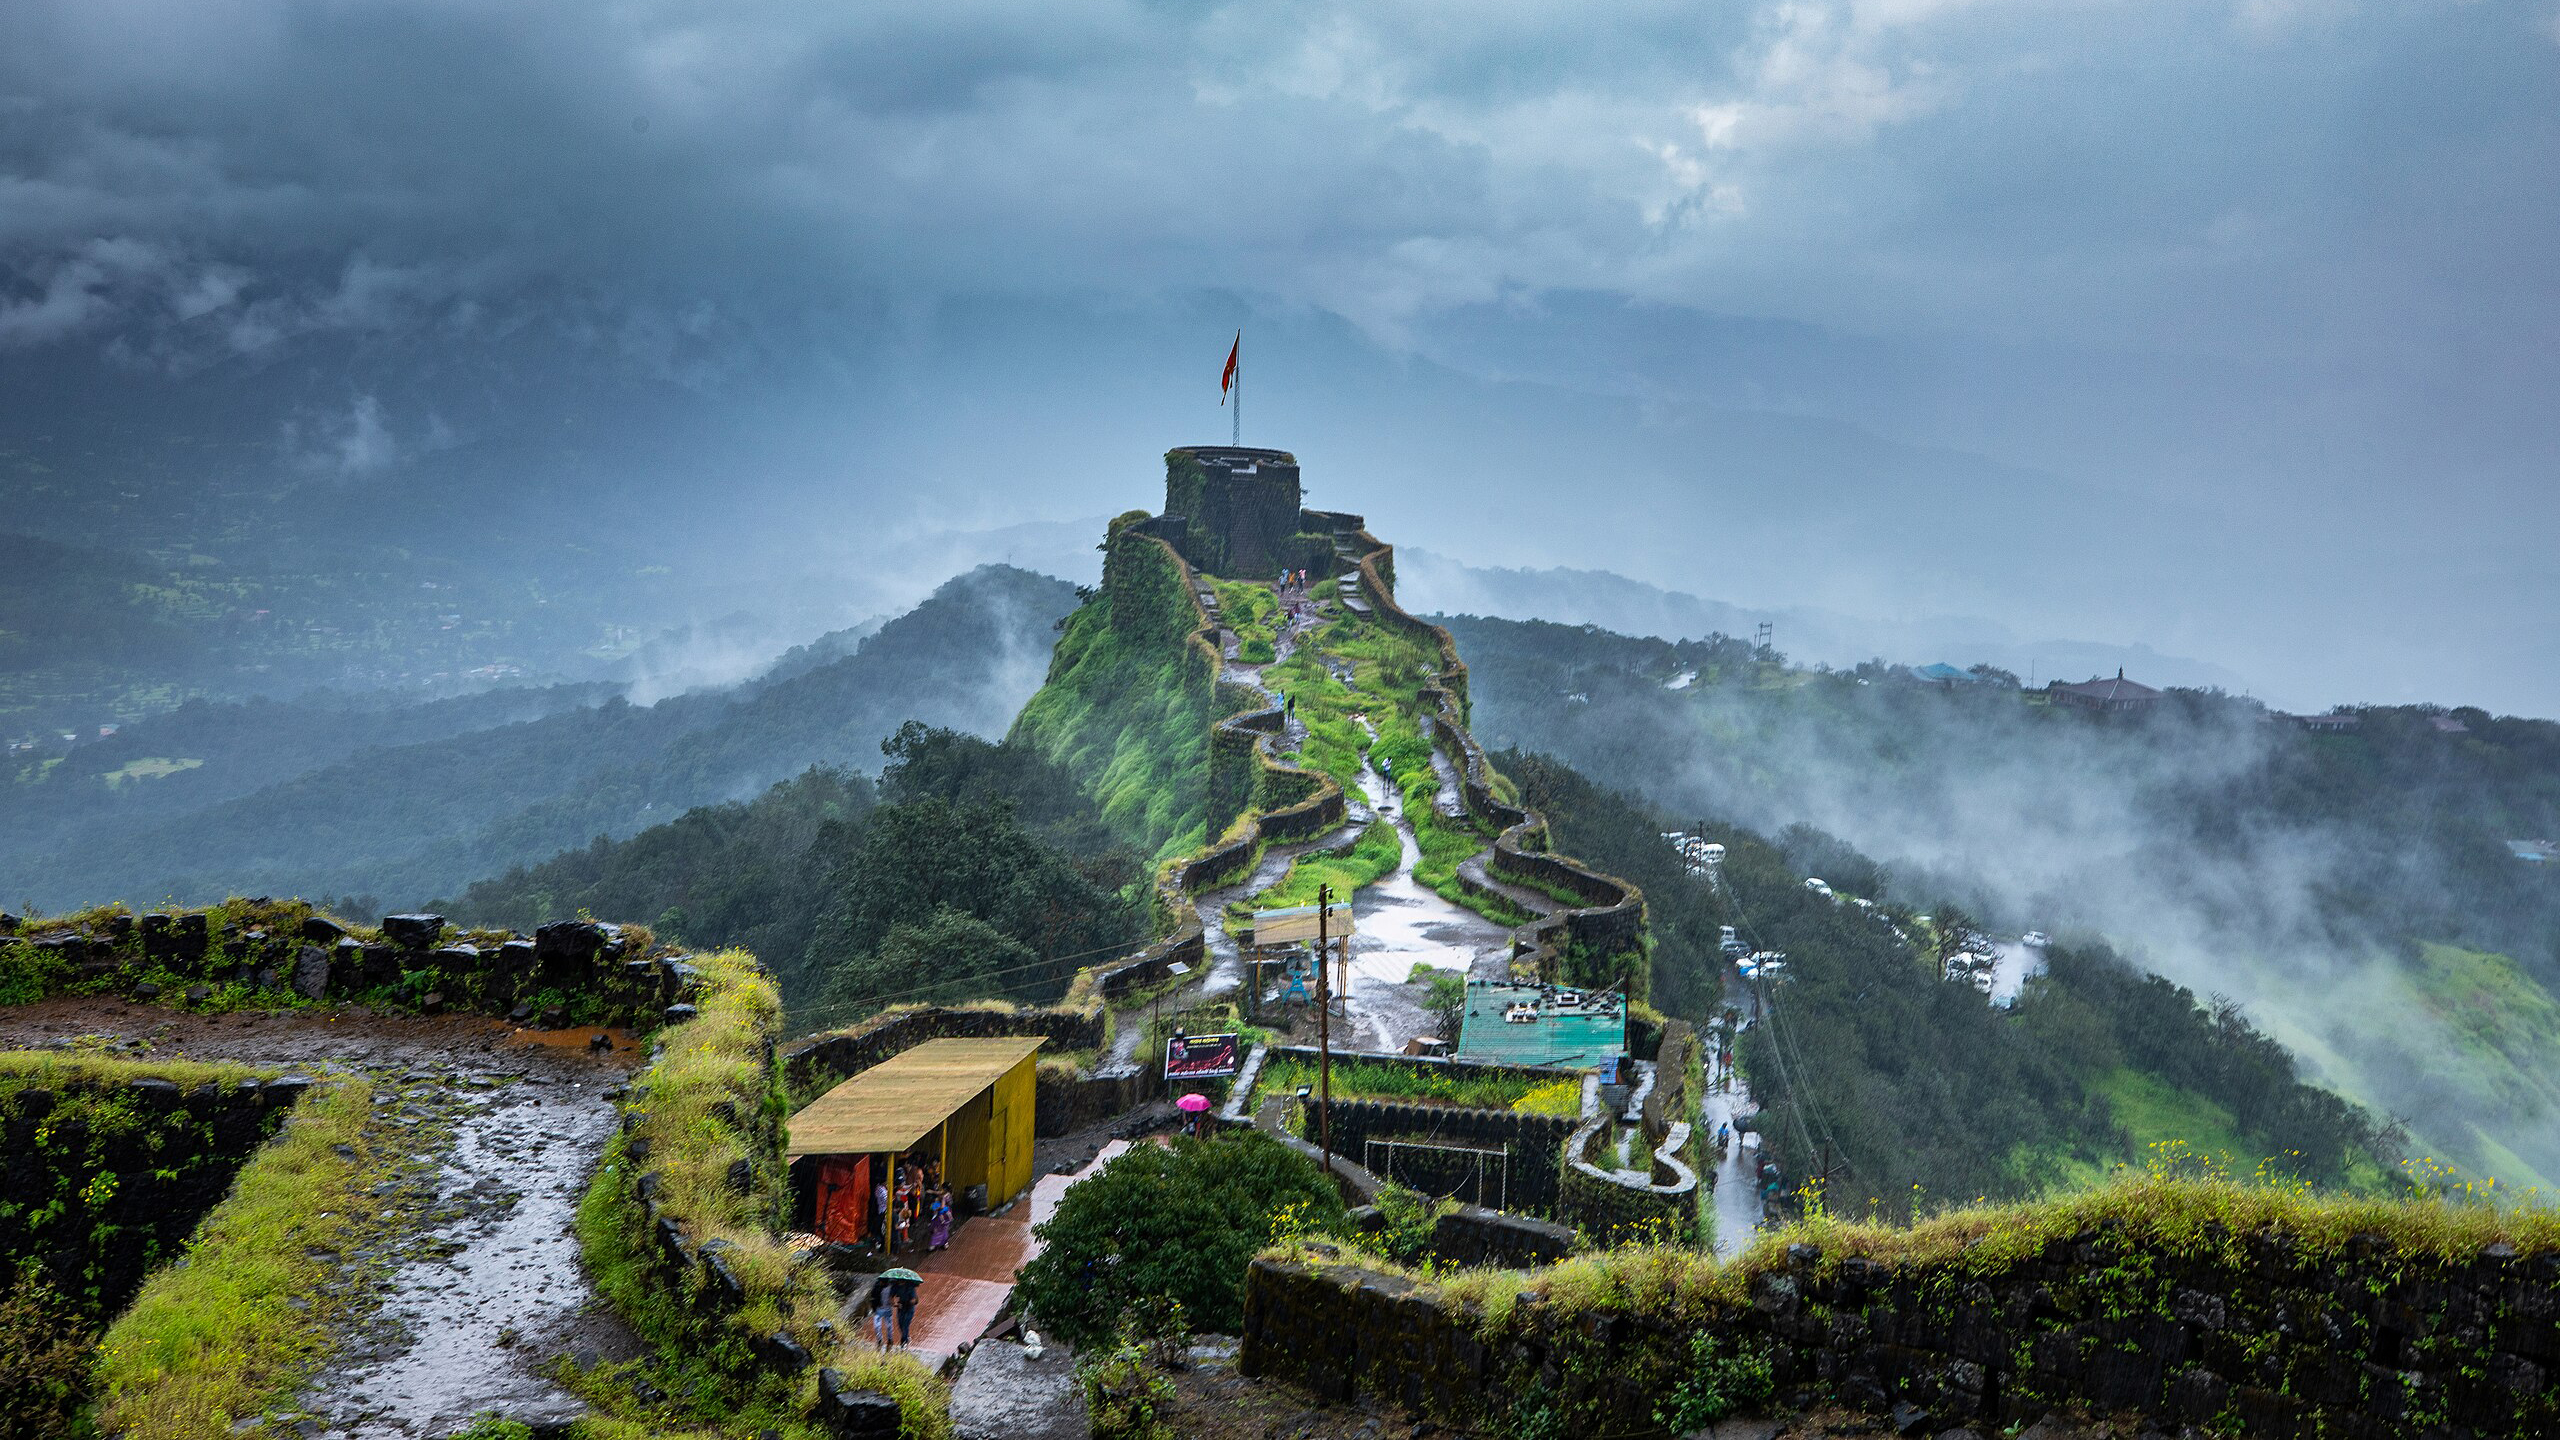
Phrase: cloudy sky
(2224, 327)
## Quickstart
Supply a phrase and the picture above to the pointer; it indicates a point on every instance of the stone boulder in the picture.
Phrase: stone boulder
(413, 932)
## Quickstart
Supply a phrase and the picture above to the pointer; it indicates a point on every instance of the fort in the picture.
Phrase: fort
(2222, 1307)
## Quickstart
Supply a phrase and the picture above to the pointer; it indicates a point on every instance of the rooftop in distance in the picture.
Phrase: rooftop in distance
(1541, 1025)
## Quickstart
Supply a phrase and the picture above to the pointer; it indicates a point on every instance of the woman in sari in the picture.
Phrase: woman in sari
(941, 1220)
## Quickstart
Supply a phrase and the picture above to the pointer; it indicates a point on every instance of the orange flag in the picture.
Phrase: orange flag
(1227, 381)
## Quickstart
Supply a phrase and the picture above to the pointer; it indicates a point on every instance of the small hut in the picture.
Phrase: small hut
(961, 1108)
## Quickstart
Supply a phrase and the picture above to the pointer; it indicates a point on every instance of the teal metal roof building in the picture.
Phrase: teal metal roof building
(1539, 1025)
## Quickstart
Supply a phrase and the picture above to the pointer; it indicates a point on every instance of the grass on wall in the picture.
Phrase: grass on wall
(1409, 1084)
(205, 1347)
(1376, 854)
(2203, 1216)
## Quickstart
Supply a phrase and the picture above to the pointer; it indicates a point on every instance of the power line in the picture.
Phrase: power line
(886, 997)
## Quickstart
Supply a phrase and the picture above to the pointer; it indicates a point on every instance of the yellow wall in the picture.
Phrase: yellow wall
(1009, 1134)
(968, 1133)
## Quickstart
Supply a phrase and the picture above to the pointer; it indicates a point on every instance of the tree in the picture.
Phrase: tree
(1178, 1223)
(1447, 1002)
(951, 955)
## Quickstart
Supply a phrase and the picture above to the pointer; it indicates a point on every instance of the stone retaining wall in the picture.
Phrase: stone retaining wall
(100, 1181)
(2253, 1334)
(409, 962)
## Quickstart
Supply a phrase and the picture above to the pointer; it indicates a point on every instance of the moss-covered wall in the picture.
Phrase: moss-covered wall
(106, 1167)
(2242, 1313)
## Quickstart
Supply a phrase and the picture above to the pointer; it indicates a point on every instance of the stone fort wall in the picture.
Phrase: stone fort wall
(2263, 1332)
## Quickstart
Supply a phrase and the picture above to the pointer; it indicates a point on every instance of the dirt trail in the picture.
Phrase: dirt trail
(480, 1282)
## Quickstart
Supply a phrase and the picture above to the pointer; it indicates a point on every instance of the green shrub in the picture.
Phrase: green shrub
(1410, 1217)
(1126, 1391)
(1725, 1375)
(1178, 1223)
(44, 1361)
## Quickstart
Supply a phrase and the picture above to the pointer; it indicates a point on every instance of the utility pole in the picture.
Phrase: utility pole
(1324, 1033)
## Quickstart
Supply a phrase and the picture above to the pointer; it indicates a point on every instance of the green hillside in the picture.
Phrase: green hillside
(1129, 698)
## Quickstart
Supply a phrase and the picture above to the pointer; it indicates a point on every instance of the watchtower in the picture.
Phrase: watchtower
(1234, 510)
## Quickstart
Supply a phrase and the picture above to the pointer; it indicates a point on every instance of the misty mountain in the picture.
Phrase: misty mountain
(2351, 889)
(408, 821)
(1435, 583)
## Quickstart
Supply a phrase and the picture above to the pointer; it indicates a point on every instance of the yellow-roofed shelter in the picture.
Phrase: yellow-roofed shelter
(965, 1106)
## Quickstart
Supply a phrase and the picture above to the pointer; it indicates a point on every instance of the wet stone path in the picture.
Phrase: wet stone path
(486, 1282)
(473, 1266)
(1400, 923)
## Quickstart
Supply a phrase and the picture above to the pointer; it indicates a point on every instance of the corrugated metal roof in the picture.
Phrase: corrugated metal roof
(899, 1101)
(1575, 1039)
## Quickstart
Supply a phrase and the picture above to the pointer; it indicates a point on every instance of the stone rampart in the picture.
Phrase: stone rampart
(2255, 1331)
(103, 1179)
(572, 972)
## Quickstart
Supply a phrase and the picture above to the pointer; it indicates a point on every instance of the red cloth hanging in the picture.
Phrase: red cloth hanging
(844, 1198)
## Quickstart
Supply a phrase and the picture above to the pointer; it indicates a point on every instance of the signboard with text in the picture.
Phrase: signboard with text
(1201, 1057)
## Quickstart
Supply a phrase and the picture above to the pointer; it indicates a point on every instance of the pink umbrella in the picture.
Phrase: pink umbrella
(1194, 1102)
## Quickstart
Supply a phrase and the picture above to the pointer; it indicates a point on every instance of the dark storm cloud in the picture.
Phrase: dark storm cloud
(2287, 270)
(2265, 178)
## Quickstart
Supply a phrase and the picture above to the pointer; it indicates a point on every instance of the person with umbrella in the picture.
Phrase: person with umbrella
(883, 1319)
(901, 1285)
(1192, 1105)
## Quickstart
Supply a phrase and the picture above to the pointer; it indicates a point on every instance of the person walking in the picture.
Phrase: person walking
(883, 1315)
(906, 1291)
(942, 1219)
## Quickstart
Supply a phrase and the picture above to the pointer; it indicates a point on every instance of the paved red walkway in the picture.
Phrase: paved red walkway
(966, 1285)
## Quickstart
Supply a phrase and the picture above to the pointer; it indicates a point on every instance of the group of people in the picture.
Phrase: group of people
(921, 1197)
(1293, 592)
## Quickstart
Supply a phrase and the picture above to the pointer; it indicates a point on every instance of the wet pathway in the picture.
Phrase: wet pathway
(1400, 923)
(490, 1278)
(1728, 1102)
(480, 1282)
(965, 1287)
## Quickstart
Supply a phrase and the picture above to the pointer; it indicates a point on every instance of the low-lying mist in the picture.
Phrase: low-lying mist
(2328, 884)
